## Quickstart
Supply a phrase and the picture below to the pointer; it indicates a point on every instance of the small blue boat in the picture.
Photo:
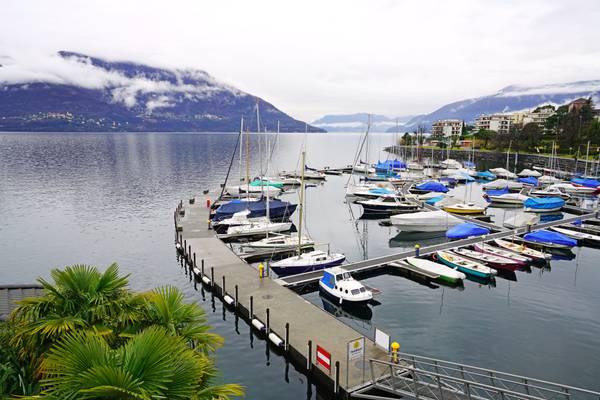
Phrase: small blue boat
(593, 183)
(486, 175)
(432, 186)
(543, 204)
(550, 239)
(495, 192)
(258, 208)
(466, 230)
(530, 180)
(389, 165)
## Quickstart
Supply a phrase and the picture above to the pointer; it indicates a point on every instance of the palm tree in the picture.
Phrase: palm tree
(166, 307)
(153, 364)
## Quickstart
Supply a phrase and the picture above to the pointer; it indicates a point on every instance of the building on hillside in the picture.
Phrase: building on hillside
(447, 128)
(538, 117)
(499, 123)
(576, 105)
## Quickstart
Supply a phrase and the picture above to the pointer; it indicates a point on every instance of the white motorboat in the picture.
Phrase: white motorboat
(305, 262)
(451, 164)
(281, 241)
(339, 284)
(516, 199)
(270, 191)
(551, 192)
(281, 180)
(415, 166)
(308, 174)
(573, 189)
(585, 237)
(371, 190)
(425, 221)
(503, 173)
(546, 179)
(363, 169)
(521, 220)
(529, 172)
(501, 184)
(464, 208)
(444, 272)
(387, 205)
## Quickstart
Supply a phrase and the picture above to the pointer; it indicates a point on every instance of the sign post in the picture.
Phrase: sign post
(355, 350)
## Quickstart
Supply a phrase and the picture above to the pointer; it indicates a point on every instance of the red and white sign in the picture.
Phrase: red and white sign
(323, 358)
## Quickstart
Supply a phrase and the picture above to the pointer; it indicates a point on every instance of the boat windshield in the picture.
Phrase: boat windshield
(355, 291)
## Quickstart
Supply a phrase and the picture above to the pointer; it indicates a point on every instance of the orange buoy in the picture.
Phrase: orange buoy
(207, 203)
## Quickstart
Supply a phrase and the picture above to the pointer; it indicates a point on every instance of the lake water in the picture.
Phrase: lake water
(103, 198)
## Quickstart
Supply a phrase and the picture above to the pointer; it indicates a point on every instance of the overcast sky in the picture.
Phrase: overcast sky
(311, 58)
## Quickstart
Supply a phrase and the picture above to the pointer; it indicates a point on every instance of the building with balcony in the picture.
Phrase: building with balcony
(499, 123)
(446, 128)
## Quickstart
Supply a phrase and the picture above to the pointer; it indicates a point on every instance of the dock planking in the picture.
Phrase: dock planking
(307, 322)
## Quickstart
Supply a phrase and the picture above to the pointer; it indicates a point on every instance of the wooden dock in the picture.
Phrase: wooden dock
(264, 301)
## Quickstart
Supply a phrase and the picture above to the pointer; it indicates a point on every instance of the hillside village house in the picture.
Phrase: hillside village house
(447, 128)
(494, 122)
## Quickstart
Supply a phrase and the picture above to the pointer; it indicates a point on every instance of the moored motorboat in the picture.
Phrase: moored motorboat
(491, 260)
(387, 205)
(465, 265)
(587, 238)
(515, 199)
(574, 189)
(497, 251)
(521, 220)
(444, 272)
(429, 186)
(238, 219)
(281, 241)
(520, 248)
(258, 208)
(549, 239)
(550, 192)
(465, 208)
(258, 228)
(466, 230)
(339, 284)
(503, 173)
(503, 183)
(544, 204)
(424, 221)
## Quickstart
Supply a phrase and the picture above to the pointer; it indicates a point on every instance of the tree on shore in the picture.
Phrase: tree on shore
(94, 316)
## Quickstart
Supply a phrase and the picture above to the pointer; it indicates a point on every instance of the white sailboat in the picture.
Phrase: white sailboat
(425, 221)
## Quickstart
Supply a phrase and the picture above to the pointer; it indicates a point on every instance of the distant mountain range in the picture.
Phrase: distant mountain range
(510, 99)
(76, 92)
(358, 122)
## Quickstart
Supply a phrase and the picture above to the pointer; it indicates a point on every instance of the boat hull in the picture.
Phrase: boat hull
(300, 269)
(464, 270)
(328, 293)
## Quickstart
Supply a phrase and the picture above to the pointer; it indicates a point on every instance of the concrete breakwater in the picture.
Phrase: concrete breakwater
(499, 159)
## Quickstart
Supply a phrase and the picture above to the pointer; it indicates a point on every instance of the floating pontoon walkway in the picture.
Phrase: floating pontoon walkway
(380, 262)
(268, 306)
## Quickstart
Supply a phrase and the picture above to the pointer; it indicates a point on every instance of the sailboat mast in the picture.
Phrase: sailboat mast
(587, 154)
(241, 144)
(508, 154)
(300, 215)
(247, 162)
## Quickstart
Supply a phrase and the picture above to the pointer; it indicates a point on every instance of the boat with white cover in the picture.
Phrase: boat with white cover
(516, 199)
(573, 189)
(451, 164)
(425, 221)
(237, 219)
(306, 262)
(258, 228)
(550, 192)
(501, 184)
(503, 173)
(584, 237)
(339, 284)
(444, 272)
(387, 205)
(521, 220)
(529, 172)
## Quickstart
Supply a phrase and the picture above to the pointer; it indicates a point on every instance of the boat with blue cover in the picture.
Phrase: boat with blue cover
(592, 183)
(466, 230)
(550, 239)
(258, 208)
(529, 180)
(429, 186)
(543, 204)
(487, 175)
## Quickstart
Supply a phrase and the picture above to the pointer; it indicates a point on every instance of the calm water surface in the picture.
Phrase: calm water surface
(103, 198)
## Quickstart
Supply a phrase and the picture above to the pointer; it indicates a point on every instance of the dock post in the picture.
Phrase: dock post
(336, 384)
(194, 263)
(287, 336)
(223, 291)
(251, 308)
(236, 296)
(189, 254)
(268, 324)
(185, 249)
(309, 356)
(202, 268)
(212, 277)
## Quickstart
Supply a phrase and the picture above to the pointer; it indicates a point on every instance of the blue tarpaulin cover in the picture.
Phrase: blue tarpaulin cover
(530, 180)
(486, 174)
(546, 236)
(432, 187)
(551, 217)
(498, 192)
(466, 230)
(469, 164)
(389, 164)
(277, 208)
(586, 182)
(544, 203)
(434, 200)
(381, 191)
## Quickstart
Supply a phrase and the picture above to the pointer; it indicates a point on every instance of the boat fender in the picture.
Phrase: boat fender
(178, 246)
(206, 280)
(228, 299)
(258, 325)
(341, 300)
(197, 272)
(276, 340)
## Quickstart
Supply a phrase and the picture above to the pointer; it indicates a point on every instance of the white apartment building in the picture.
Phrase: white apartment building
(494, 122)
(447, 128)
